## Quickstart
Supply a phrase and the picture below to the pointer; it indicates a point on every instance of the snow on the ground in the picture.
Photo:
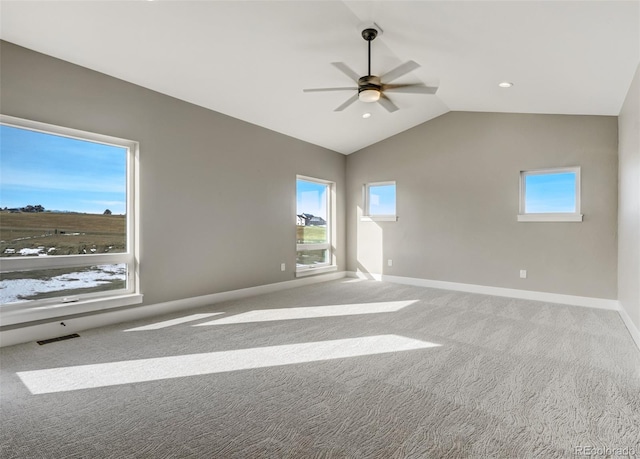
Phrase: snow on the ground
(12, 289)
(27, 251)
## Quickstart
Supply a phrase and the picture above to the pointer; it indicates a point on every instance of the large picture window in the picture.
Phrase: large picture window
(313, 225)
(550, 195)
(67, 216)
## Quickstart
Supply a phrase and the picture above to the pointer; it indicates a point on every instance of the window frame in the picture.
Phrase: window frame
(575, 216)
(16, 313)
(330, 265)
(366, 199)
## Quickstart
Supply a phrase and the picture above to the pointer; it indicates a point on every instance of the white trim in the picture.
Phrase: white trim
(559, 217)
(316, 246)
(525, 216)
(10, 264)
(633, 330)
(366, 203)
(312, 270)
(601, 303)
(329, 225)
(130, 257)
(30, 333)
(16, 315)
(379, 218)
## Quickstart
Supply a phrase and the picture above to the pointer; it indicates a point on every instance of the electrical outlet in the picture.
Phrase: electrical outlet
(389, 262)
(283, 266)
(523, 274)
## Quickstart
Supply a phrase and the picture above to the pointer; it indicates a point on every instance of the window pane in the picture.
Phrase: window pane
(311, 212)
(37, 284)
(311, 257)
(550, 193)
(60, 196)
(382, 199)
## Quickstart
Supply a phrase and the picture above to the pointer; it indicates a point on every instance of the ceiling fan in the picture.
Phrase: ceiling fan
(372, 88)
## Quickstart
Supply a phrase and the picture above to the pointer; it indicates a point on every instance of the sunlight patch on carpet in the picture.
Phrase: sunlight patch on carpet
(170, 323)
(153, 369)
(311, 312)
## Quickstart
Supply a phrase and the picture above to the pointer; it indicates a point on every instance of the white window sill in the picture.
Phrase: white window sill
(18, 313)
(319, 270)
(550, 217)
(379, 218)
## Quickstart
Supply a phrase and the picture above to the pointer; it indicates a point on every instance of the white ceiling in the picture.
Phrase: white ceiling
(251, 60)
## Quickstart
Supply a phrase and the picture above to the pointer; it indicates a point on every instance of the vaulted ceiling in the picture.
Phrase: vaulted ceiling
(251, 60)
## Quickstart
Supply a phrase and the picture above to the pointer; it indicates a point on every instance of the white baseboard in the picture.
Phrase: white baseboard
(633, 330)
(30, 333)
(600, 303)
(53, 329)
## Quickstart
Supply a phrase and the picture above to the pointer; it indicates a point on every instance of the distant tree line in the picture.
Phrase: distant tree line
(39, 208)
(29, 208)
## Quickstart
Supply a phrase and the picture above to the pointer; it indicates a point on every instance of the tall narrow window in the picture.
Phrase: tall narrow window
(67, 215)
(550, 195)
(313, 224)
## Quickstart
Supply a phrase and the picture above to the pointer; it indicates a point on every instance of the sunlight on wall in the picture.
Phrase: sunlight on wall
(369, 248)
(169, 323)
(267, 315)
(153, 369)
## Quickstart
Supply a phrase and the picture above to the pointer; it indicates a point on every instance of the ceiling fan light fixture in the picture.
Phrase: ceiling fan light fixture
(369, 95)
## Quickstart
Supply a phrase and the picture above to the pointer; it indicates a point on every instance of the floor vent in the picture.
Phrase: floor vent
(60, 338)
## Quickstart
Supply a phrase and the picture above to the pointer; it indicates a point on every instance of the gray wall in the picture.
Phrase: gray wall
(457, 189)
(205, 177)
(217, 195)
(629, 203)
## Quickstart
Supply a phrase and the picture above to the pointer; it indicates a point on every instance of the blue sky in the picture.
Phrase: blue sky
(549, 193)
(60, 173)
(311, 198)
(382, 200)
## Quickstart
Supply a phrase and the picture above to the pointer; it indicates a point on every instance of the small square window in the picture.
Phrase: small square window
(550, 195)
(380, 201)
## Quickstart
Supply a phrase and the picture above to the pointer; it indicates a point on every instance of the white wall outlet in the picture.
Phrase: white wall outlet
(283, 266)
(523, 274)
(389, 262)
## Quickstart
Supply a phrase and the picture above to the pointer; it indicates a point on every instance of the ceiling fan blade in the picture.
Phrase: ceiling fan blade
(386, 103)
(329, 89)
(344, 68)
(410, 88)
(402, 69)
(347, 103)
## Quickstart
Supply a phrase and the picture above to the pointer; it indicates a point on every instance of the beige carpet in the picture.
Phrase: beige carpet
(344, 369)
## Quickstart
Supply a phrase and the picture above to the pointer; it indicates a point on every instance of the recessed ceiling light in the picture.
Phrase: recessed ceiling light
(366, 115)
(505, 84)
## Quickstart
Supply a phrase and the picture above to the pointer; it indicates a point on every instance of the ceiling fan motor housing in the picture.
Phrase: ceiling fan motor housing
(369, 88)
(369, 82)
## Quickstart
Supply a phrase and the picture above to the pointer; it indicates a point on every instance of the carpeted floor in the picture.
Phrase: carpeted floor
(413, 372)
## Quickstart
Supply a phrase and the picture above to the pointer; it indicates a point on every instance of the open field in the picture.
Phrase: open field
(311, 234)
(60, 233)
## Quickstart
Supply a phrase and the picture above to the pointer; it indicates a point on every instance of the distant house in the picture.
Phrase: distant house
(309, 220)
